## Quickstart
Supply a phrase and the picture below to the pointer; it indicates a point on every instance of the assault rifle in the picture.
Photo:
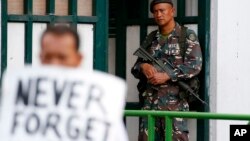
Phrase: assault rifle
(168, 68)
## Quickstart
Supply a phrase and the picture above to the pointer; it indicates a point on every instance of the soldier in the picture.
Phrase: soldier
(159, 90)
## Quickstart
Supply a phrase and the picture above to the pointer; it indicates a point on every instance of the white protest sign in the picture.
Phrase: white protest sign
(59, 104)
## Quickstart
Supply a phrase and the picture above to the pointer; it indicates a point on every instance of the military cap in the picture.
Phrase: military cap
(154, 2)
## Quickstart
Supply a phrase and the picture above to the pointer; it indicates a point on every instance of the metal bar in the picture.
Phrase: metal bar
(171, 114)
(151, 128)
(28, 7)
(121, 38)
(50, 7)
(204, 34)
(204, 37)
(40, 18)
(50, 10)
(144, 16)
(73, 11)
(87, 19)
(4, 36)
(63, 18)
(72, 7)
(28, 42)
(181, 6)
(18, 18)
(133, 106)
(168, 128)
(101, 36)
(188, 20)
(198, 115)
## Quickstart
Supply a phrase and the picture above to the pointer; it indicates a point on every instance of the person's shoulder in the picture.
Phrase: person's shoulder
(152, 34)
(191, 35)
(149, 38)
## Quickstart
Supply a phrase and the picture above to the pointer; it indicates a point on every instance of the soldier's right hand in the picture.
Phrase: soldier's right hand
(148, 70)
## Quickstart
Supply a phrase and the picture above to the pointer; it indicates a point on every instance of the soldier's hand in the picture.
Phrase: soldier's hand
(148, 70)
(159, 78)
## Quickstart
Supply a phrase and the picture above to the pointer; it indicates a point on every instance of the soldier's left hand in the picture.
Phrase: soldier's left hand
(159, 78)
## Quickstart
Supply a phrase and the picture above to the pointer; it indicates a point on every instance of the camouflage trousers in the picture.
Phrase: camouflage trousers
(166, 98)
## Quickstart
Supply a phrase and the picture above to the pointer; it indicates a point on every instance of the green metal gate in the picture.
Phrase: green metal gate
(170, 115)
(99, 19)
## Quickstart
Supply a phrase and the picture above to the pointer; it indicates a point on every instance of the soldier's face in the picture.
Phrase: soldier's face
(59, 50)
(163, 13)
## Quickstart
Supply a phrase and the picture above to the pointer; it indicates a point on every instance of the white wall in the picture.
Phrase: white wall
(86, 33)
(213, 67)
(230, 79)
(132, 43)
(15, 45)
(38, 29)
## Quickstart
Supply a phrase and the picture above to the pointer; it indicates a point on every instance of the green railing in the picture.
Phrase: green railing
(170, 115)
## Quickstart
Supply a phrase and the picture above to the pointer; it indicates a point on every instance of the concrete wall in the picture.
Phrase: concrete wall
(230, 79)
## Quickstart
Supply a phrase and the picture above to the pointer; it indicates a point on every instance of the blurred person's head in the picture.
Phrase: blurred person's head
(60, 46)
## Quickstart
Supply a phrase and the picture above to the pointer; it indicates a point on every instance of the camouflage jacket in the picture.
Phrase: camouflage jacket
(186, 65)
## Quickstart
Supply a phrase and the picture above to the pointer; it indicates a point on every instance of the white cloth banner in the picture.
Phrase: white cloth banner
(59, 104)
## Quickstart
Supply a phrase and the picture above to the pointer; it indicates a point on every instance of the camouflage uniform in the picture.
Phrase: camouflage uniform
(166, 96)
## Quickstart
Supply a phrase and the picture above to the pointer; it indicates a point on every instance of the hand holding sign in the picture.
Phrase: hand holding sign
(41, 104)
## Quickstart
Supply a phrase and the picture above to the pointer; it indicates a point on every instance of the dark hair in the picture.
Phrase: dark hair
(60, 30)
